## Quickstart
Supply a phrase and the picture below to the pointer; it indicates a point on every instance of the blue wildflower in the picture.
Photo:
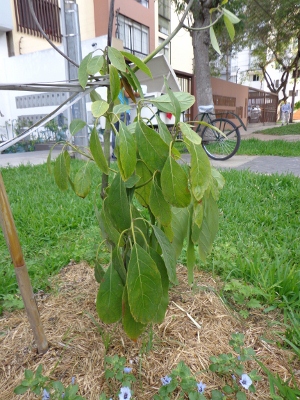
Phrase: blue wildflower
(46, 395)
(166, 380)
(127, 370)
(201, 387)
(246, 381)
(73, 380)
(125, 393)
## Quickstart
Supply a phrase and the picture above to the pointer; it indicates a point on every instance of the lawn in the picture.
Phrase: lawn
(291, 129)
(258, 242)
(258, 147)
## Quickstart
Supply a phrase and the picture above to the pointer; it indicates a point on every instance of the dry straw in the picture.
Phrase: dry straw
(197, 326)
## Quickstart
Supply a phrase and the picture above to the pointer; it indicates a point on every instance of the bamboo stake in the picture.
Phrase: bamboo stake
(13, 243)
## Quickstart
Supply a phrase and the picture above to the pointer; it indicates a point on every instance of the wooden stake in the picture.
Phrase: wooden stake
(13, 243)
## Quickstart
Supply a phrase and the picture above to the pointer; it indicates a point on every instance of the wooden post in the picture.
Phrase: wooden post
(13, 243)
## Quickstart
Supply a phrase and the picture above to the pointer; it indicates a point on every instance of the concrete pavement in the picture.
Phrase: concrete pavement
(261, 164)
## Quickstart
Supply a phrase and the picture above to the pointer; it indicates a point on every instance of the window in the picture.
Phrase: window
(47, 13)
(165, 51)
(164, 16)
(144, 3)
(291, 93)
(135, 36)
(255, 78)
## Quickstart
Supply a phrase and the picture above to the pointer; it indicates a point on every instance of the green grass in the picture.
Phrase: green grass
(291, 129)
(53, 226)
(281, 148)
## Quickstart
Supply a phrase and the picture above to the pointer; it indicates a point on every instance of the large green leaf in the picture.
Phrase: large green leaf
(117, 204)
(200, 173)
(132, 328)
(152, 149)
(76, 125)
(144, 285)
(61, 172)
(180, 217)
(164, 102)
(162, 308)
(115, 83)
(95, 96)
(168, 253)
(95, 64)
(141, 228)
(82, 70)
(233, 18)
(121, 108)
(118, 264)
(143, 187)
(83, 181)
(189, 133)
(99, 108)
(163, 130)
(127, 151)
(108, 230)
(117, 59)
(159, 206)
(213, 40)
(174, 101)
(209, 227)
(218, 183)
(109, 298)
(174, 184)
(97, 151)
(229, 27)
(138, 62)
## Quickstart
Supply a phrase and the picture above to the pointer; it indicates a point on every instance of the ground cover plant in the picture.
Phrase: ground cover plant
(290, 129)
(282, 148)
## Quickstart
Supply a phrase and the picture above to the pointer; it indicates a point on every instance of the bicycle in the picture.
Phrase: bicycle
(216, 145)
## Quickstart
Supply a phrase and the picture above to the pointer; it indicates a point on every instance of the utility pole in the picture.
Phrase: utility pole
(72, 47)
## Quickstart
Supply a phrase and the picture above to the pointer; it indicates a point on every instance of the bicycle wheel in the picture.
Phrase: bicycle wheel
(217, 146)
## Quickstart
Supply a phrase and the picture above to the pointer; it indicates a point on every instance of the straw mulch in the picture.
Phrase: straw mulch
(76, 348)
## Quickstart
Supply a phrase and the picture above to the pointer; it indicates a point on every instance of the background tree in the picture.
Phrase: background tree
(273, 31)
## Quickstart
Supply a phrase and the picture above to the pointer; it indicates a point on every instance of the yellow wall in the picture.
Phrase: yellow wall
(24, 43)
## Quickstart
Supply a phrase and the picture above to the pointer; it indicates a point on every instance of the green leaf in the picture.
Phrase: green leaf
(180, 217)
(162, 308)
(95, 96)
(189, 133)
(121, 108)
(76, 125)
(213, 40)
(109, 298)
(229, 27)
(99, 107)
(95, 64)
(200, 172)
(115, 84)
(143, 187)
(97, 152)
(163, 130)
(158, 205)
(117, 59)
(108, 230)
(174, 184)
(82, 70)
(144, 285)
(216, 395)
(168, 253)
(152, 149)
(83, 181)
(233, 18)
(127, 151)
(241, 396)
(138, 62)
(61, 172)
(117, 204)
(118, 263)
(98, 272)
(253, 303)
(132, 328)
(135, 82)
(174, 101)
(209, 227)
(21, 389)
(164, 102)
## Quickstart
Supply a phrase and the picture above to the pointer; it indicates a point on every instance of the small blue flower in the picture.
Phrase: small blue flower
(125, 393)
(246, 381)
(63, 396)
(166, 380)
(46, 395)
(73, 380)
(201, 387)
(239, 358)
(127, 370)
(233, 377)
